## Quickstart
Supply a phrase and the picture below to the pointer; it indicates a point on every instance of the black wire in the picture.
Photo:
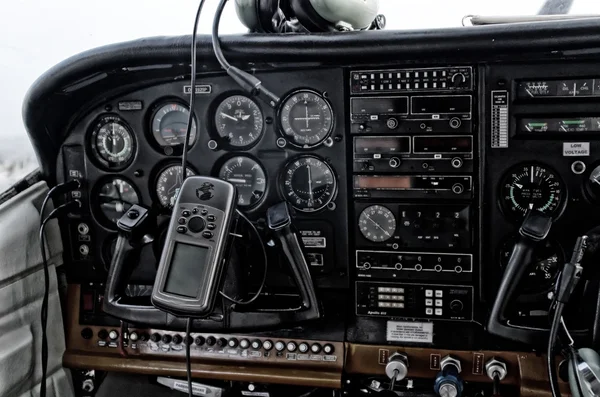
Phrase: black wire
(551, 359)
(264, 278)
(44, 310)
(188, 359)
(215, 36)
(190, 121)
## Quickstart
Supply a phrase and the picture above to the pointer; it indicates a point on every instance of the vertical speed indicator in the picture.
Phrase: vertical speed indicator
(529, 187)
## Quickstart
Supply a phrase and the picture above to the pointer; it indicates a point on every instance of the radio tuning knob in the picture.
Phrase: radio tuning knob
(394, 162)
(457, 162)
(456, 306)
(458, 188)
(458, 79)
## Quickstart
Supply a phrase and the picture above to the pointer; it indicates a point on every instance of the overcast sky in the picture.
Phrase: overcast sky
(37, 34)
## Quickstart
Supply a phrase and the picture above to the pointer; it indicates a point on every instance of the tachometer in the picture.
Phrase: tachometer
(113, 142)
(377, 223)
(531, 187)
(239, 120)
(169, 125)
(309, 183)
(169, 183)
(306, 119)
(115, 197)
(247, 176)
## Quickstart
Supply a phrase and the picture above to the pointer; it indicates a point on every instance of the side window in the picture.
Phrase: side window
(73, 26)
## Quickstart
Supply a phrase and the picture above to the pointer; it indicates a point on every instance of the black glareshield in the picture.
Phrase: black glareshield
(193, 258)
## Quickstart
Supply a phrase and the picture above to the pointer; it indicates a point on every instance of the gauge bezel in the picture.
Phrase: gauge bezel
(517, 216)
(280, 124)
(221, 162)
(221, 141)
(281, 183)
(168, 150)
(153, 183)
(97, 211)
(371, 206)
(93, 134)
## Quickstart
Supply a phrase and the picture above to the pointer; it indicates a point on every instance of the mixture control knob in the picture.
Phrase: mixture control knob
(458, 188)
(394, 162)
(211, 340)
(177, 339)
(494, 368)
(133, 336)
(221, 342)
(199, 340)
(279, 346)
(448, 382)
(167, 338)
(397, 367)
(155, 337)
(113, 335)
(233, 342)
(328, 349)
(456, 306)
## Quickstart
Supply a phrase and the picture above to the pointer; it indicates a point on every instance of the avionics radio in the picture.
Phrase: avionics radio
(423, 153)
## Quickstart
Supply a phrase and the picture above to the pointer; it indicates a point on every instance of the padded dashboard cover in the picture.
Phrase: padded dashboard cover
(68, 87)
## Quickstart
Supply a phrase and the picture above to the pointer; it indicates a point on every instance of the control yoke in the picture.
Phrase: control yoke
(133, 227)
(535, 228)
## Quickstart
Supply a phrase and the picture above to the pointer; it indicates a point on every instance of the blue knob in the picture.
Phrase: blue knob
(448, 383)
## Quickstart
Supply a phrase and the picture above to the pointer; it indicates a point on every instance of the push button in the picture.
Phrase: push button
(196, 224)
(211, 226)
(204, 212)
(211, 218)
(207, 234)
(181, 221)
(181, 229)
(186, 213)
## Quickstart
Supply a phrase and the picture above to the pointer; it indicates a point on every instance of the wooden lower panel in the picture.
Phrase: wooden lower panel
(525, 370)
(300, 377)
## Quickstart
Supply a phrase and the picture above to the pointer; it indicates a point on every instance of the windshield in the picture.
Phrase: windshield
(38, 34)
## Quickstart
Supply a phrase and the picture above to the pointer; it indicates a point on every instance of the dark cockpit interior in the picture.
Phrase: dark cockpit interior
(360, 212)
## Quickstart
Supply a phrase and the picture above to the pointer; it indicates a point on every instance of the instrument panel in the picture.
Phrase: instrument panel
(129, 150)
(408, 184)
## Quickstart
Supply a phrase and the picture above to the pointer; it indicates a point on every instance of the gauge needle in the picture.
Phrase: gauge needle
(377, 224)
(229, 117)
(236, 180)
(519, 185)
(307, 116)
(310, 191)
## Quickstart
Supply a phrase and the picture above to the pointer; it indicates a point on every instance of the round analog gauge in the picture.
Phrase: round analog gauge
(116, 196)
(309, 183)
(113, 142)
(169, 125)
(542, 272)
(247, 176)
(239, 120)
(531, 187)
(306, 119)
(168, 183)
(377, 223)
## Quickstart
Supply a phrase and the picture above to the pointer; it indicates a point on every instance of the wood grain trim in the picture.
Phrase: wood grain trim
(312, 378)
(525, 370)
(84, 354)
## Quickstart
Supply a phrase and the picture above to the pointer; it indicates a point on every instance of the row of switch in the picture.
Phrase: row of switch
(177, 339)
